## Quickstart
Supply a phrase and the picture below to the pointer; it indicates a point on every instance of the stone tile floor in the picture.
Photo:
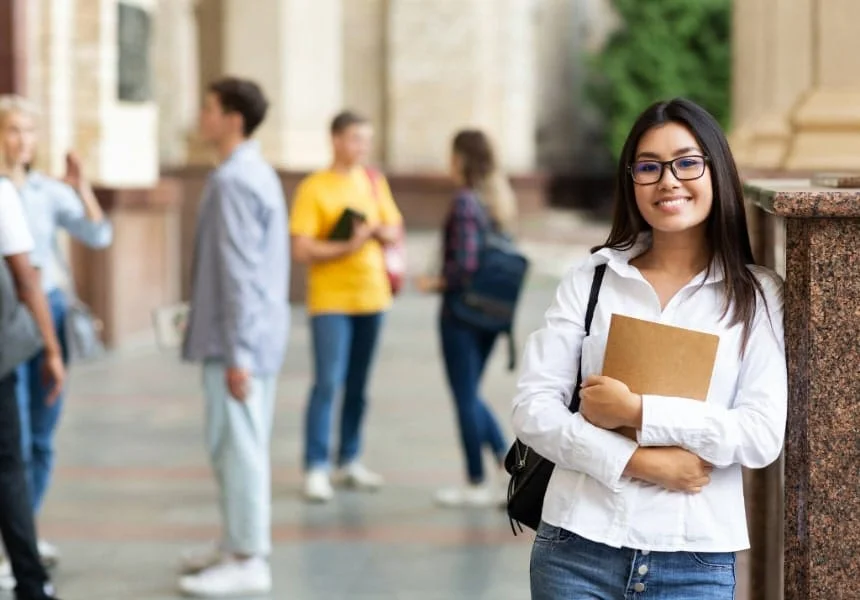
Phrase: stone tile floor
(133, 489)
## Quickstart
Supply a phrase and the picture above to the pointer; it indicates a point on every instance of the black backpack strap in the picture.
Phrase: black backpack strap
(512, 351)
(599, 272)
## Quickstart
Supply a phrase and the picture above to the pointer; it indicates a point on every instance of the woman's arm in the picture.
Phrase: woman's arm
(541, 417)
(77, 208)
(750, 433)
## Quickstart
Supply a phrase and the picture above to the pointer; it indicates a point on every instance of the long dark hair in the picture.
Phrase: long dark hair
(477, 160)
(480, 172)
(726, 226)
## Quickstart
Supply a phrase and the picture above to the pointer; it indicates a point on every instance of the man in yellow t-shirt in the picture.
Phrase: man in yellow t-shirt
(348, 294)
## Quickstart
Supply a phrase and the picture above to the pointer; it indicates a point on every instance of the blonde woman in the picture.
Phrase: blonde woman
(50, 205)
(484, 201)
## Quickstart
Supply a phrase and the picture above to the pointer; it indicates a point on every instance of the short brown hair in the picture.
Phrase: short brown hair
(242, 96)
(346, 119)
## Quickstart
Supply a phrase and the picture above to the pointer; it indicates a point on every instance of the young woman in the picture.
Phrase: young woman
(50, 205)
(660, 517)
(484, 201)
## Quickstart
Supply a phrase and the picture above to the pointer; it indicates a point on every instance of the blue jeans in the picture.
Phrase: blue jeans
(38, 420)
(465, 351)
(344, 347)
(565, 565)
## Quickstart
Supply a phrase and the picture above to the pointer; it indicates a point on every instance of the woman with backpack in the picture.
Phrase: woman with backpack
(50, 205)
(660, 515)
(483, 202)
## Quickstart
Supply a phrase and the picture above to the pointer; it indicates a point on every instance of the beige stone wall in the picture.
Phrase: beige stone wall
(364, 64)
(177, 79)
(116, 140)
(796, 90)
(458, 64)
(293, 48)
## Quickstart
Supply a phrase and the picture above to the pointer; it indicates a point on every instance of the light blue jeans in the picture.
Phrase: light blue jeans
(344, 347)
(237, 438)
(565, 566)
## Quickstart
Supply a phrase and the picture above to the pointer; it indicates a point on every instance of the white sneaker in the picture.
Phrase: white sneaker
(229, 578)
(199, 560)
(7, 580)
(318, 486)
(359, 477)
(480, 495)
(49, 554)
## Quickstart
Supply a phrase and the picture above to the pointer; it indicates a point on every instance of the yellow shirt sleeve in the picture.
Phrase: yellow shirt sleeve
(305, 218)
(388, 211)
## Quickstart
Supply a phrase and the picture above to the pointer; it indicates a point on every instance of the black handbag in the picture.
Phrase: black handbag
(529, 471)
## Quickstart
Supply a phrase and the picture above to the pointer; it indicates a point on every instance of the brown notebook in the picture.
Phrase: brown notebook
(652, 358)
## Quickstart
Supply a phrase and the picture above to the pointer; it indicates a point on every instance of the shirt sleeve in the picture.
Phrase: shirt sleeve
(305, 219)
(752, 431)
(15, 236)
(464, 240)
(541, 417)
(72, 217)
(389, 214)
(239, 234)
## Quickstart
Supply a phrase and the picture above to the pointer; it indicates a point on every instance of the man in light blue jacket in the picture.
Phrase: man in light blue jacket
(238, 328)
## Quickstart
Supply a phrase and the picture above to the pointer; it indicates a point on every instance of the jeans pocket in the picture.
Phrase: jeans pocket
(713, 560)
(550, 533)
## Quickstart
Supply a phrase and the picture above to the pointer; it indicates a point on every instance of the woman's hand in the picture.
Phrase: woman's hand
(428, 284)
(53, 376)
(609, 403)
(671, 468)
(74, 172)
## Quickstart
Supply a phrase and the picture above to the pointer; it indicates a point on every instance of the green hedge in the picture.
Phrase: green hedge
(665, 48)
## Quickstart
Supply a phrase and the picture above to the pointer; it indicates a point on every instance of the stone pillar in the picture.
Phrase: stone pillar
(772, 69)
(364, 64)
(13, 46)
(272, 43)
(177, 69)
(116, 137)
(822, 300)
(827, 122)
(51, 77)
(458, 64)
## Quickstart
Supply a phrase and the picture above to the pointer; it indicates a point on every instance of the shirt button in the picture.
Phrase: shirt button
(643, 570)
(646, 552)
(639, 587)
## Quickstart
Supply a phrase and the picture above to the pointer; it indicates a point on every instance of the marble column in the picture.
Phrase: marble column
(272, 43)
(822, 320)
(772, 69)
(459, 64)
(116, 138)
(827, 121)
(365, 73)
(177, 88)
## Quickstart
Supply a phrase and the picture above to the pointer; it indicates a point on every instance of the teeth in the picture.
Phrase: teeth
(677, 202)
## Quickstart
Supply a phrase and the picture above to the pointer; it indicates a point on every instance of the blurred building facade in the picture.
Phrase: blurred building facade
(120, 82)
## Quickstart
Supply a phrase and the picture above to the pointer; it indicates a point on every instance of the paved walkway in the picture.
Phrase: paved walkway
(133, 488)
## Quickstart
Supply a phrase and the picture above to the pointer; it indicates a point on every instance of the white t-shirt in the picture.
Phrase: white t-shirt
(15, 237)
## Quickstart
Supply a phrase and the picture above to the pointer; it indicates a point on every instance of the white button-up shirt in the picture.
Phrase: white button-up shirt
(741, 423)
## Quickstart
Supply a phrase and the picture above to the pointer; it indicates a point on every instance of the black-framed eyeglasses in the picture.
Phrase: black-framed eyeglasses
(684, 168)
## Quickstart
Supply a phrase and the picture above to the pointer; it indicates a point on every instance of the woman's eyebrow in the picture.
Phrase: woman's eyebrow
(679, 152)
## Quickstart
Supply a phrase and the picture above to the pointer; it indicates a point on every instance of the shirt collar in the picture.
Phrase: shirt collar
(619, 261)
(244, 149)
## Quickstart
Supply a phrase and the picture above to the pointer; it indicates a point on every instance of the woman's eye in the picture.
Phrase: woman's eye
(647, 167)
(689, 163)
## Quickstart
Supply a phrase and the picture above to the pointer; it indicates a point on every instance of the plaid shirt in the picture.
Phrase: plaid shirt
(464, 228)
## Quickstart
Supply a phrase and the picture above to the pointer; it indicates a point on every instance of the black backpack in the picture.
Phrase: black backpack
(490, 299)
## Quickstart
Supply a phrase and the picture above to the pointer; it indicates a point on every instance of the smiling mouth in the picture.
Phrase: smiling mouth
(673, 202)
